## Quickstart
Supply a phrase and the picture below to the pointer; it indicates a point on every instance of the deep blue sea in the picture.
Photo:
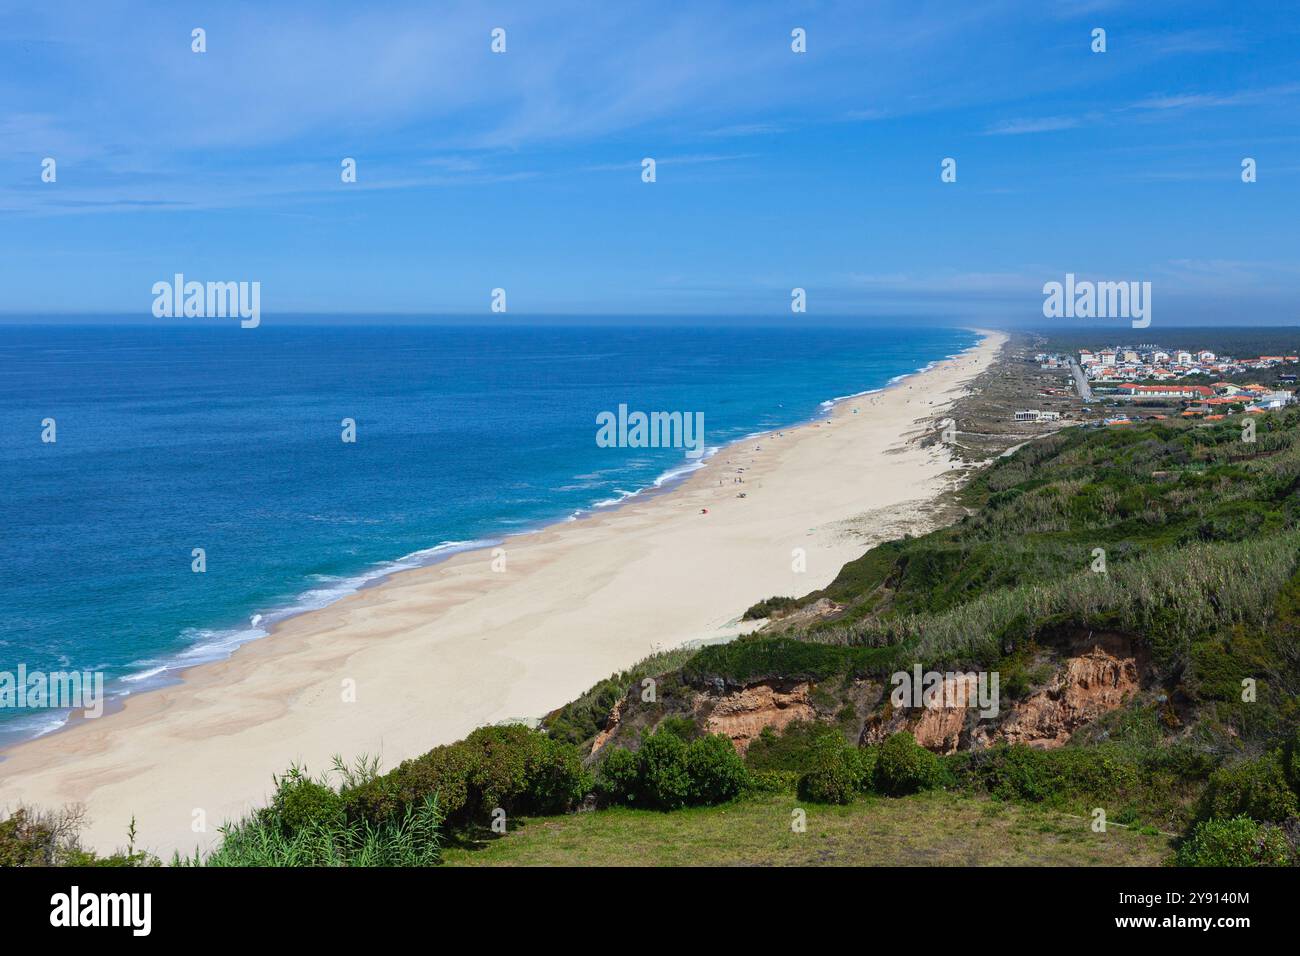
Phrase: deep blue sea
(226, 439)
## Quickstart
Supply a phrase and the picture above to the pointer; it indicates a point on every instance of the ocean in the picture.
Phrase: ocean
(170, 439)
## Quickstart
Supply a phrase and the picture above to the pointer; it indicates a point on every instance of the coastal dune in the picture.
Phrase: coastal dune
(429, 654)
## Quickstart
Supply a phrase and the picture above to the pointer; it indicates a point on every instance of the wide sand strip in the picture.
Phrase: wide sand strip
(435, 652)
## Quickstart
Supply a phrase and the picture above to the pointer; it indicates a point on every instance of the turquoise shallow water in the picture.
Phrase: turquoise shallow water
(172, 439)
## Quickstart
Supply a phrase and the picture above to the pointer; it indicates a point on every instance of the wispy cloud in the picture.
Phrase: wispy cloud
(746, 129)
(1020, 127)
(691, 160)
(1188, 101)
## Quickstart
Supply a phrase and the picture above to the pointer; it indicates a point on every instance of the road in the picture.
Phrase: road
(1081, 381)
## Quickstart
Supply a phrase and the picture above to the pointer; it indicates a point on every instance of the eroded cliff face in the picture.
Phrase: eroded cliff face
(1091, 674)
(740, 714)
(1087, 686)
(743, 714)
(612, 723)
(1099, 673)
(940, 728)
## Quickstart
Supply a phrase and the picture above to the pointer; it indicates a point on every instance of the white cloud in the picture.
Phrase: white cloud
(1018, 127)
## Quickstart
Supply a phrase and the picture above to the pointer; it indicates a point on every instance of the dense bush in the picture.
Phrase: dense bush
(682, 727)
(715, 770)
(512, 767)
(789, 750)
(301, 802)
(668, 773)
(665, 781)
(769, 607)
(27, 839)
(443, 773)
(1239, 841)
(1018, 772)
(1291, 761)
(836, 771)
(522, 771)
(772, 781)
(904, 766)
(619, 777)
(34, 837)
(1254, 788)
(557, 782)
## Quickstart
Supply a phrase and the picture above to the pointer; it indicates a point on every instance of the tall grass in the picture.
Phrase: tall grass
(1166, 598)
(413, 839)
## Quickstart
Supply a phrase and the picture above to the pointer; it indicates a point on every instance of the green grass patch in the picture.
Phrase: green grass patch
(930, 829)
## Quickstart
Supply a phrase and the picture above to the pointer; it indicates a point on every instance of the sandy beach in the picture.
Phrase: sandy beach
(432, 653)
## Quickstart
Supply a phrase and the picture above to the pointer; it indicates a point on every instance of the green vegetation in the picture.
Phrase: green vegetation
(746, 661)
(580, 720)
(404, 817)
(1177, 540)
(667, 772)
(307, 823)
(904, 766)
(935, 828)
(1199, 569)
(773, 605)
(1253, 788)
(1236, 842)
(836, 771)
(511, 767)
(31, 837)
(410, 839)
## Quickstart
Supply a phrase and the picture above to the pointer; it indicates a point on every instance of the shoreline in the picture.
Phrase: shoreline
(435, 650)
(173, 672)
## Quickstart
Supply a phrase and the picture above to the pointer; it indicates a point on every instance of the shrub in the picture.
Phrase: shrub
(750, 659)
(27, 840)
(619, 777)
(772, 781)
(1025, 774)
(904, 766)
(443, 773)
(835, 774)
(1291, 761)
(34, 837)
(768, 607)
(1019, 772)
(558, 781)
(1239, 841)
(665, 781)
(792, 749)
(864, 760)
(715, 770)
(669, 773)
(500, 763)
(299, 802)
(682, 727)
(513, 767)
(1254, 788)
(580, 720)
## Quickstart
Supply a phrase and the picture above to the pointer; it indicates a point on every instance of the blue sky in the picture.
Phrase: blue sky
(775, 169)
